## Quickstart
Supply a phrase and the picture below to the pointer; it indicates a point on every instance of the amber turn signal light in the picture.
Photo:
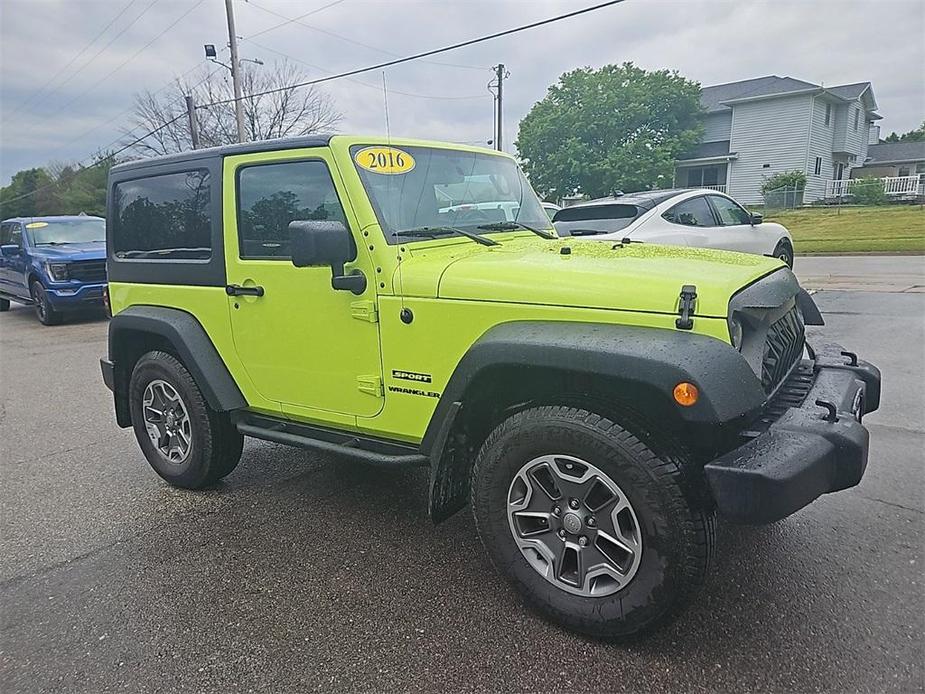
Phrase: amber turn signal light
(686, 394)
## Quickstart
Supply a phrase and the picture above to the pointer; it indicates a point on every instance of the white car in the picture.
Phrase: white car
(550, 208)
(698, 218)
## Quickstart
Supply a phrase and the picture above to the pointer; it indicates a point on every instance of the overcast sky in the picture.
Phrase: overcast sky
(84, 105)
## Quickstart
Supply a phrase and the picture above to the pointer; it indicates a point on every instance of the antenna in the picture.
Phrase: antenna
(388, 138)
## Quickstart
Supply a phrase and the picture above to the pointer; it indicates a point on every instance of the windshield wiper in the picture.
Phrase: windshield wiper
(434, 232)
(54, 243)
(503, 226)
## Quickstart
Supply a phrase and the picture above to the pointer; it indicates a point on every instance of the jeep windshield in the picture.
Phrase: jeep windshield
(416, 189)
(58, 232)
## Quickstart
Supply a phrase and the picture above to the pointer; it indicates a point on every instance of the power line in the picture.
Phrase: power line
(346, 38)
(96, 55)
(290, 21)
(424, 54)
(62, 70)
(125, 62)
(349, 73)
(108, 156)
(438, 97)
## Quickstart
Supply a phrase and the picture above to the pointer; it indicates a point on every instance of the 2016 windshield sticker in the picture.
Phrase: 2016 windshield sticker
(36, 225)
(384, 160)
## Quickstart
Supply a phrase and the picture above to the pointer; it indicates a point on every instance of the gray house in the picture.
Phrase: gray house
(899, 159)
(759, 127)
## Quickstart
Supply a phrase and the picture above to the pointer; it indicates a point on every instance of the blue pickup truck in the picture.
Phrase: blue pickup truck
(56, 264)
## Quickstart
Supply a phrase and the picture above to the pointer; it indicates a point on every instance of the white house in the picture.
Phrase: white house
(759, 127)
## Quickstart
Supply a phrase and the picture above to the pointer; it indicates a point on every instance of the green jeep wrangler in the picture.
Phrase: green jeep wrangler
(407, 303)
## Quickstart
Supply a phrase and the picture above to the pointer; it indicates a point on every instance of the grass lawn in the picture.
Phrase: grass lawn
(855, 229)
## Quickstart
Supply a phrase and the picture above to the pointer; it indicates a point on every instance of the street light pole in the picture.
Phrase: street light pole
(235, 70)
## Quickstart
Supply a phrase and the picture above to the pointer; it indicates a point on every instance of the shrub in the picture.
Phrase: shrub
(786, 179)
(868, 191)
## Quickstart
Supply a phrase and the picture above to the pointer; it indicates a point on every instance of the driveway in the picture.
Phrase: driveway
(303, 572)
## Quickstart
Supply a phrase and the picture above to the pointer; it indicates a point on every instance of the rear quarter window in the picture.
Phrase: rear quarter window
(599, 218)
(166, 217)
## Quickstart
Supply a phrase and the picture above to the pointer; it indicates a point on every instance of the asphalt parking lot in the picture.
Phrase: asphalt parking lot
(301, 572)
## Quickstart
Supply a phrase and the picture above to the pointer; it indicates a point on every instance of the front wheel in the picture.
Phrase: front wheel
(596, 530)
(784, 252)
(44, 311)
(186, 442)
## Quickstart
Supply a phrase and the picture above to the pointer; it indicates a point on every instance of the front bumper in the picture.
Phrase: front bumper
(72, 298)
(808, 441)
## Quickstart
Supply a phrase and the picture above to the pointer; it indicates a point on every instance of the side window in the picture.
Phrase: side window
(5, 234)
(269, 196)
(693, 213)
(163, 217)
(16, 234)
(730, 213)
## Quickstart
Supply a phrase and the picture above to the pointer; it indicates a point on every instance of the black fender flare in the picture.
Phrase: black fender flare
(649, 357)
(186, 336)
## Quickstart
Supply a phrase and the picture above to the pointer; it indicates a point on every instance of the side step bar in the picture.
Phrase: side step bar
(366, 449)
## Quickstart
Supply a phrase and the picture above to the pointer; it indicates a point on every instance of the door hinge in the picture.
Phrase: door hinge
(686, 307)
(365, 311)
(370, 384)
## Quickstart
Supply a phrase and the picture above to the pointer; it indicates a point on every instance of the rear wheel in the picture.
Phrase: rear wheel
(4, 305)
(43, 308)
(784, 252)
(597, 530)
(184, 440)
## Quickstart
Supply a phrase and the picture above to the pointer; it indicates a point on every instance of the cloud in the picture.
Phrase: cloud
(823, 41)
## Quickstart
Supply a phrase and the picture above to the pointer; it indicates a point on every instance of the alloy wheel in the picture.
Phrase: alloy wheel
(574, 525)
(167, 421)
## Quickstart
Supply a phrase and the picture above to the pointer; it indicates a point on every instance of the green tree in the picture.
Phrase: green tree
(619, 127)
(57, 189)
(917, 135)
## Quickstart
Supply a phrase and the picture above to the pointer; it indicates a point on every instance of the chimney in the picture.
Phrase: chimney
(873, 135)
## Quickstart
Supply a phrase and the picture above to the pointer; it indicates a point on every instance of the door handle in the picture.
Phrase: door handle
(238, 290)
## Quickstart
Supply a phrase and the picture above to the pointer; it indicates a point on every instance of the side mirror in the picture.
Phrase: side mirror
(318, 243)
(756, 218)
(10, 251)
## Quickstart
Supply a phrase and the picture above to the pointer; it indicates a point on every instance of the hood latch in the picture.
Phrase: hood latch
(686, 307)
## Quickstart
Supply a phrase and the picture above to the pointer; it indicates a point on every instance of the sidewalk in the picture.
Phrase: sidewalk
(869, 273)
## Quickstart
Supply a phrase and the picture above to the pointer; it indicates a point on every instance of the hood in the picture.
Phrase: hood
(635, 277)
(72, 251)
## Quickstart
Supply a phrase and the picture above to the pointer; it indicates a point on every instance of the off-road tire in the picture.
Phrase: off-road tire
(4, 305)
(677, 530)
(784, 251)
(43, 308)
(216, 444)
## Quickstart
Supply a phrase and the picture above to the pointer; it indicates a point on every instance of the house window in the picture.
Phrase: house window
(903, 171)
(857, 115)
(703, 176)
(818, 169)
(920, 167)
(828, 113)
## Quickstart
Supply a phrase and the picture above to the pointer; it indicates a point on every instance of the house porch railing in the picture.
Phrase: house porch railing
(892, 185)
(720, 188)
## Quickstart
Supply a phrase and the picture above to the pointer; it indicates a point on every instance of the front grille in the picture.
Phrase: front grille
(88, 270)
(784, 345)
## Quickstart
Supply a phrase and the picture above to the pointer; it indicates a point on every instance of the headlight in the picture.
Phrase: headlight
(57, 271)
(735, 333)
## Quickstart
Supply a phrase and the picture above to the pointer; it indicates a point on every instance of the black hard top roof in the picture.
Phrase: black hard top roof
(225, 150)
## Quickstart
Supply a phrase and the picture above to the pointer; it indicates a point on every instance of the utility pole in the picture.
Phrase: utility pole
(193, 121)
(500, 74)
(235, 69)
